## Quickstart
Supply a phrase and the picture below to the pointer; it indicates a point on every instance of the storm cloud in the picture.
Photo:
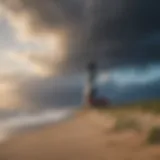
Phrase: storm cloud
(113, 33)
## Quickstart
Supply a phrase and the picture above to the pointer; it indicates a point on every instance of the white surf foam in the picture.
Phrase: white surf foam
(27, 120)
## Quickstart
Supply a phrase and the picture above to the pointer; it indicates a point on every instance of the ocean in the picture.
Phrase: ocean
(16, 122)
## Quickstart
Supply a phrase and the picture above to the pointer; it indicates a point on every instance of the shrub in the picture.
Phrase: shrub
(154, 136)
(127, 124)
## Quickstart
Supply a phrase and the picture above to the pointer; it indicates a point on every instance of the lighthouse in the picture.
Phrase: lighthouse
(91, 99)
(90, 88)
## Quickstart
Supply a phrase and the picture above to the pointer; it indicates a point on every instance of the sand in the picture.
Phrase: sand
(87, 136)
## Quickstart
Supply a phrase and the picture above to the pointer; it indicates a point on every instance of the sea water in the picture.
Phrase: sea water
(21, 121)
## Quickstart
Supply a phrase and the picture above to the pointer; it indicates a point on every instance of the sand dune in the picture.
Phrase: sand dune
(85, 137)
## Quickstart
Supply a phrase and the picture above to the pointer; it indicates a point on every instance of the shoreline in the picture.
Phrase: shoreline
(81, 137)
(38, 127)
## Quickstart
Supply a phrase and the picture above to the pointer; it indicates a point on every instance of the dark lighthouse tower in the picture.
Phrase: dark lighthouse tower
(90, 88)
(91, 99)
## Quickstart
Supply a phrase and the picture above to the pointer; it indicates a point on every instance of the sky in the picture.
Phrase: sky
(46, 45)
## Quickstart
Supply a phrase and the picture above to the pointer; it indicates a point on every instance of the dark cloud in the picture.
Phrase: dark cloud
(108, 31)
(132, 92)
(52, 92)
(119, 28)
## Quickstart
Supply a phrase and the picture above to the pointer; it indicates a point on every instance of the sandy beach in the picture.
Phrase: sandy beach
(86, 136)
